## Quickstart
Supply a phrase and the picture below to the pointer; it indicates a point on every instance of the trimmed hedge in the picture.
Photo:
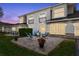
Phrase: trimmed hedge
(24, 31)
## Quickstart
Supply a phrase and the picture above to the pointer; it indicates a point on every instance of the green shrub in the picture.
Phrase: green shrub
(24, 31)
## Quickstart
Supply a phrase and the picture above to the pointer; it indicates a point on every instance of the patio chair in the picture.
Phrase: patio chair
(45, 35)
(38, 34)
(29, 36)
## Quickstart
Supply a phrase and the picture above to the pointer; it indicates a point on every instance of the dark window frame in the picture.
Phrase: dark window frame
(31, 21)
(42, 18)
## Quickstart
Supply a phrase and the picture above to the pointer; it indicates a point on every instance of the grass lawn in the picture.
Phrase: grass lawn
(9, 49)
(66, 48)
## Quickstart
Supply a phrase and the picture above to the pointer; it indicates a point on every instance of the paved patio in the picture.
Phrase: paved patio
(51, 43)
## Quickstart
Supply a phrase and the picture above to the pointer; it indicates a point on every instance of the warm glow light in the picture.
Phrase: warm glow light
(57, 28)
(42, 28)
(13, 29)
(59, 12)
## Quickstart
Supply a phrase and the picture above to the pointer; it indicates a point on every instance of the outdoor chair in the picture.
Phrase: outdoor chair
(29, 36)
(38, 34)
(45, 35)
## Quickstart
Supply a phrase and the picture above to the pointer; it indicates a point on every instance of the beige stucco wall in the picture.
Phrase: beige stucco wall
(76, 29)
(57, 28)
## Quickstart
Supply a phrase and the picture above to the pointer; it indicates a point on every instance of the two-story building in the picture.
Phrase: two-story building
(37, 20)
(61, 19)
(64, 20)
(60, 24)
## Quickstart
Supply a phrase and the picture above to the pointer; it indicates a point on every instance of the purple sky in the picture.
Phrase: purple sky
(13, 10)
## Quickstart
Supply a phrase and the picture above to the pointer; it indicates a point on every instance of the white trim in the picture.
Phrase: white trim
(67, 19)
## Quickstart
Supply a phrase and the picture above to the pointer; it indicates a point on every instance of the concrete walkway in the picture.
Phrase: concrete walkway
(51, 43)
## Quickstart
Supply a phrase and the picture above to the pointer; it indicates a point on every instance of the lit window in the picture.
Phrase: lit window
(42, 28)
(60, 12)
(13, 29)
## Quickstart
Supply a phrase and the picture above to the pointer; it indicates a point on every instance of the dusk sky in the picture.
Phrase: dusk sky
(13, 10)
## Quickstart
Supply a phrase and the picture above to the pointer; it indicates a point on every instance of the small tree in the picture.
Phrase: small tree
(1, 12)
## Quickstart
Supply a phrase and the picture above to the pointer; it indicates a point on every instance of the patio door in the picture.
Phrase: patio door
(70, 29)
(57, 28)
(76, 29)
(42, 28)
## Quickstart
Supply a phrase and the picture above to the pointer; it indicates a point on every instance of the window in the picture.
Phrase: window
(21, 19)
(59, 12)
(57, 28)
(13, 29)
(42, 19)
(76, 29)
(31, 21)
